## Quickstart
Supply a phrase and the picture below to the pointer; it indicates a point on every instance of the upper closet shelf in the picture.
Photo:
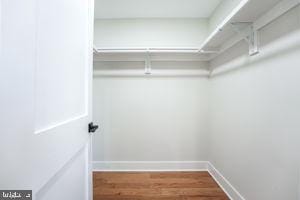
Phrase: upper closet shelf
(244, 22)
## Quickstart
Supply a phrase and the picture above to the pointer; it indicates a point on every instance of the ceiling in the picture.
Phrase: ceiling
(116, 9)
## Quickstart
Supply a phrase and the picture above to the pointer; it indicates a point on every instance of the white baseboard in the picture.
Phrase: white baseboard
(166, 166)
(227, 187)
(150, 165)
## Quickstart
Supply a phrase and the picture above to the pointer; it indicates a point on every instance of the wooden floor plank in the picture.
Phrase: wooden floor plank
(156, 186)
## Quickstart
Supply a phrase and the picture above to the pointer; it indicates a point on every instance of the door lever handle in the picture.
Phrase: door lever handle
(92, 127)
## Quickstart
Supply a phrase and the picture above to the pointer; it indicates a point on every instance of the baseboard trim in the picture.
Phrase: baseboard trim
(150, 166)
(169, 166)
(227, 187)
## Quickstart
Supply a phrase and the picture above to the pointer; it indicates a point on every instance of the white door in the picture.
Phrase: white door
(45, 89)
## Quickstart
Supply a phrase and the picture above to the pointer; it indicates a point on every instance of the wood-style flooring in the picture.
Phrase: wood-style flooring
(156, 186)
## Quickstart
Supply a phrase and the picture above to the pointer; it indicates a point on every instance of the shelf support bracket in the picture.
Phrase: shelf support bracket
(148, 64)
(249, 34)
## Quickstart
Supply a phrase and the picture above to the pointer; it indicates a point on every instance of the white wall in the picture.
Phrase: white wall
(255, 112)
(150, 119)
(150, 32)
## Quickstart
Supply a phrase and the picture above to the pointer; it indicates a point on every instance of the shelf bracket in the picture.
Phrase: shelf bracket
(148, 64)
(249, 34)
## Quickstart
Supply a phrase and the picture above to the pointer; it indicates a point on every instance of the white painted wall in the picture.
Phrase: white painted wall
(150, 32)
(254, 114)
(159, 119)
(120, 9)
(150, 119)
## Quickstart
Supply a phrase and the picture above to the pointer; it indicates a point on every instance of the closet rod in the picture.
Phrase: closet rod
(152, 50)
(154, 73)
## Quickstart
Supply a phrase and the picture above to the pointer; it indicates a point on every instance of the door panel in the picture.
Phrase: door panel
(45, 85)
(61, 73)
(71, 175)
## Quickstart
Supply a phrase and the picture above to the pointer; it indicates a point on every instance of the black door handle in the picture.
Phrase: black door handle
(92, 127)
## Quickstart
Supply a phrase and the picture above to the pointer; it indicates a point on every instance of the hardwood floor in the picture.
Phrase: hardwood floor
(156, 186)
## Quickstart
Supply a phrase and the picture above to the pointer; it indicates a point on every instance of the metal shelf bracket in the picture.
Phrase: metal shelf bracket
(249, 34)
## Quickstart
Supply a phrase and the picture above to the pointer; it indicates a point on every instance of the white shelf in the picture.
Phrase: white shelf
(257, 13)
(242, 23)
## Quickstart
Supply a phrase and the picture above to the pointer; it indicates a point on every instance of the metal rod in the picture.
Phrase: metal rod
(152, 50)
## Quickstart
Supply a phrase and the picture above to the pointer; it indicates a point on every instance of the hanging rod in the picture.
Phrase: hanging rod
(152, 50)
(153, 73)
